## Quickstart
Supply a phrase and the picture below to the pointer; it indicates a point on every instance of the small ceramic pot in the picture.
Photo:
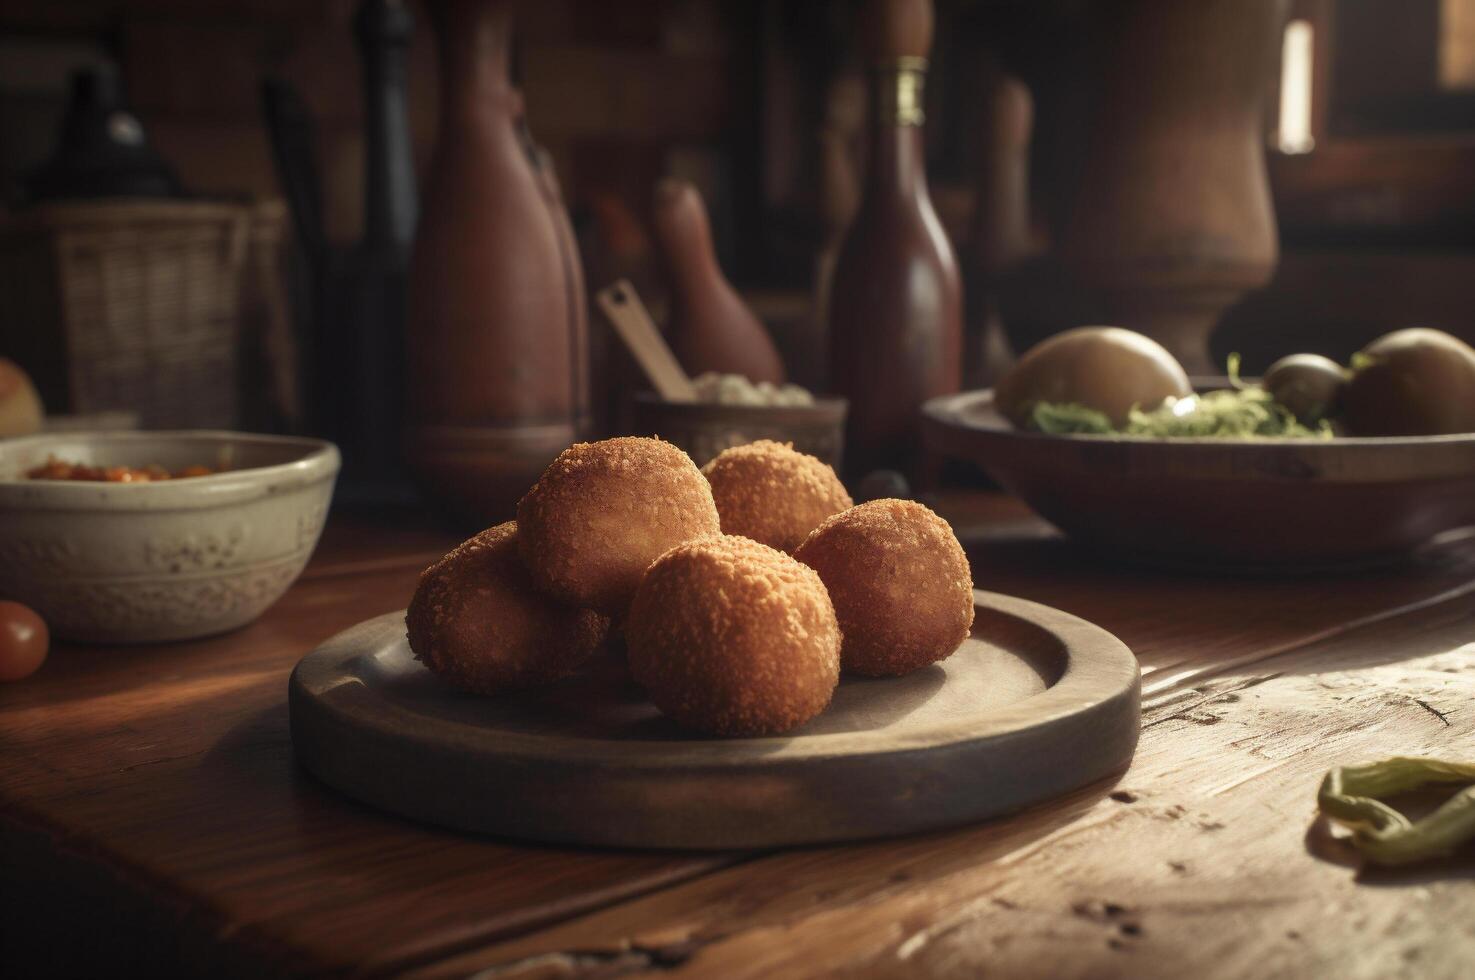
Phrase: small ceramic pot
(704, 430)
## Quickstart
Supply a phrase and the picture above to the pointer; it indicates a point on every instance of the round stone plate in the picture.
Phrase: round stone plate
(1034, 704)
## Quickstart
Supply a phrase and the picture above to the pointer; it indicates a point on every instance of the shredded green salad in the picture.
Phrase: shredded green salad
(1244, 411)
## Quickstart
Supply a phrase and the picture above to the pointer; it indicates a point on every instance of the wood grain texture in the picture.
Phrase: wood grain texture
(1204, 859)
(171, 768)
(150, 794)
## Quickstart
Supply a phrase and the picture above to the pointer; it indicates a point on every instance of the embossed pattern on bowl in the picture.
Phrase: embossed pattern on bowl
(150, 562)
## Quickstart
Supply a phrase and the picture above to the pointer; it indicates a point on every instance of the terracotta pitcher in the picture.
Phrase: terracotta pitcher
(711, 328)
(496, 351)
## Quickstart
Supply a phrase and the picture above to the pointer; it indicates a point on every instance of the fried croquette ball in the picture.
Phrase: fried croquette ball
(772, 493)
(603, 511)
(900, 584)
(731, 637)
(477, 621)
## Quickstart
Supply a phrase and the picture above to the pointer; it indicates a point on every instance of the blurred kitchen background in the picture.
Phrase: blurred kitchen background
(1036, 113)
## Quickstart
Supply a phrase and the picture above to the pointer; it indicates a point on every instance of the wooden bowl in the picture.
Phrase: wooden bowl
(1208, 503)
(704, 429)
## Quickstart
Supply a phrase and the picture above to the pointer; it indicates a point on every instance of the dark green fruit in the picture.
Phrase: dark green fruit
(1414, 382)
(1308, 386)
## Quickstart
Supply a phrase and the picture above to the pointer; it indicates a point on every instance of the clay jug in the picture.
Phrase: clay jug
(711, 328)
(494, 355)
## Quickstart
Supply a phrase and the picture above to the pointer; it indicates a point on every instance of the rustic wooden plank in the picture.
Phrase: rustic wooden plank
(170, 768)
(1203, 860)
(158, 782)
(1184, 626)
(590, 90)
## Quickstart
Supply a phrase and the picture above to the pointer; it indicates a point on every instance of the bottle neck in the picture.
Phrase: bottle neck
(390, 202)
(896, 165)
(475, 42)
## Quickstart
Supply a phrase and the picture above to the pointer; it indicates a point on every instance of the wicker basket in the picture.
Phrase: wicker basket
(128, 305)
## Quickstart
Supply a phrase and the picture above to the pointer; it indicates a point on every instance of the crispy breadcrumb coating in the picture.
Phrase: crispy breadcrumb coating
(476, 620)
(772, 493)
(900, 584)
(731, 637)
(603, 511)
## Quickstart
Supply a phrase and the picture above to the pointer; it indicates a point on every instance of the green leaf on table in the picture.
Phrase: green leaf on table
(1351, 795)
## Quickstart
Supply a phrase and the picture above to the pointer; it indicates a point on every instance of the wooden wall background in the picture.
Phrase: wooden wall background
(619, 92)
(728, 94)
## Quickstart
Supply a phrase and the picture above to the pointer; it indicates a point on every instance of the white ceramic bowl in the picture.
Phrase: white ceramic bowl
(173, 560)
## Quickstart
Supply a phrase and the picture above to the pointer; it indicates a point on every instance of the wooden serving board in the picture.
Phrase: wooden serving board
(1034, 704)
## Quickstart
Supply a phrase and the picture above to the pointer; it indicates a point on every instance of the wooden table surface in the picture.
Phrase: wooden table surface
(152, 818)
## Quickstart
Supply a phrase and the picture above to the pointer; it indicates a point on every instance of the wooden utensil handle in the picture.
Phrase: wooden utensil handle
(621, 303)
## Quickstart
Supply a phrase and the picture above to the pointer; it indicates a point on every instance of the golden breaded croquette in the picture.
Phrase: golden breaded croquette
(603, 511)
(731, 637)
(477, 621)
(770, 492)
(900, 584)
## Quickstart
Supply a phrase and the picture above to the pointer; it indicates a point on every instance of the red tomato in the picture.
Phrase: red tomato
(23, 641)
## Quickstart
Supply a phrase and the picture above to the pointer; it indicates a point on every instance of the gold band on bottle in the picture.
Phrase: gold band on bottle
(899, 92)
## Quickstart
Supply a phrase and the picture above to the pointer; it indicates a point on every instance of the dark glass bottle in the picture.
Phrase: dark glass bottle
(896, 300)
(102, 149)
(366, 357)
